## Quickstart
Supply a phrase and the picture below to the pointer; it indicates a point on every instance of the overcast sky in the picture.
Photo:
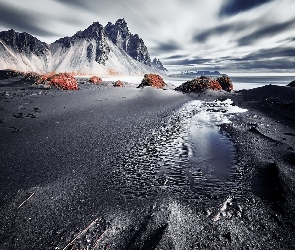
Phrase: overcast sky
(224, 35)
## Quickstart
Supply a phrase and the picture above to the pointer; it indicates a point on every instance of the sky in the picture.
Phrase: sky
(242, 36)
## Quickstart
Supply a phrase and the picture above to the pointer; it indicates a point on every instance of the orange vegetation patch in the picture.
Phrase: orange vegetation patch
(95, 80)
(203, 83)
(64, 81)
(153, 80)
(118, 84)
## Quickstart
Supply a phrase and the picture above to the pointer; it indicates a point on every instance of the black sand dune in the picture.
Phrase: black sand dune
(85, 169)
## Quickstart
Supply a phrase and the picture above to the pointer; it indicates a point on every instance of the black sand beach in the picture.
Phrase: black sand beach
(100, 168)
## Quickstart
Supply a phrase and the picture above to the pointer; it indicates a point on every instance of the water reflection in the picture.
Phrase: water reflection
(212, 152)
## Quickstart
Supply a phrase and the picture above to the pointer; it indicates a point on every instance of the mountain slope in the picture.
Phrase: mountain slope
(96, 50)
(22, 51)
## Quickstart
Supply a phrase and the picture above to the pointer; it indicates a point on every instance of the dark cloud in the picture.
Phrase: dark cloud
(267, 59)
(219, 30)
(188, 61)
(265, 32)
(280, 64)
(233, 7)
(271, 53)
(175, 57)
(169, 46)
(95, 6)
(23, 21)
(76, 3)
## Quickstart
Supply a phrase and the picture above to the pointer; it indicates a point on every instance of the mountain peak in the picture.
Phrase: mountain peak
(121, 23)
(119, 34)
(94, 31)
(23, 42)
(117, 30)
(156, 64)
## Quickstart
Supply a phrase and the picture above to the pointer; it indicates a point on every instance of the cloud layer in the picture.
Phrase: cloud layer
(229, 35)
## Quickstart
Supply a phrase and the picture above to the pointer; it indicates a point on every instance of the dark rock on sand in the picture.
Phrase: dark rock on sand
(276, 101)
(19, 115)
(6, 74)
(118, 84)
(291, 84)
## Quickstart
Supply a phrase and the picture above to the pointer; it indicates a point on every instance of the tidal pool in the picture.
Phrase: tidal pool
(188, 157)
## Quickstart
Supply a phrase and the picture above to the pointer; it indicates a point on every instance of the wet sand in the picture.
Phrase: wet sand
(110, 168)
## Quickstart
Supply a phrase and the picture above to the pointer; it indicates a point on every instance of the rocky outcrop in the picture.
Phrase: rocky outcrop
(118, 84)
(133, 45)
(291, 84)
(156, 64)
(152, 80)
(6, 74)
(63, 81)
(203, 83)
(95, 80)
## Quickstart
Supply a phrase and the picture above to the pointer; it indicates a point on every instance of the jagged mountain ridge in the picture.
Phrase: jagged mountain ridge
(96, 50)
(132, 44)
(156, 63)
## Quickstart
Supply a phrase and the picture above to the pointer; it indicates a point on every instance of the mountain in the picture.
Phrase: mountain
(23, 52)
(112, 49)
(119, 34)
(156, 64)
(201, 73)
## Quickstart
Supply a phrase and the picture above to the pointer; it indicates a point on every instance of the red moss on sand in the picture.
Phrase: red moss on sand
(214, 85)
(152, 80)
(118, 84)
(64, 81)
(95, 80)
(203, 83)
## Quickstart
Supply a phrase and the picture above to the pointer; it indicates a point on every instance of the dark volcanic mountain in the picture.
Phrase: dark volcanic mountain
(112, 49)
(132, 44)
(23, 42)
(94, 32)
(156, 64)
